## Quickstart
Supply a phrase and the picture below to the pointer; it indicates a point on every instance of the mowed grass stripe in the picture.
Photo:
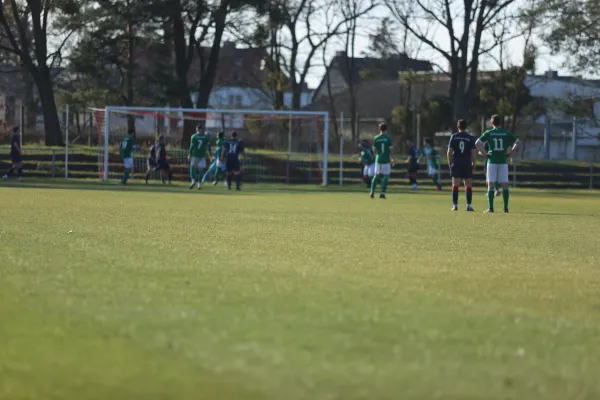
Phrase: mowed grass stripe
(299, 295)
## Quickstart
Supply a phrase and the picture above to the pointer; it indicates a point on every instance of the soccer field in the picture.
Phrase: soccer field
(295, 293)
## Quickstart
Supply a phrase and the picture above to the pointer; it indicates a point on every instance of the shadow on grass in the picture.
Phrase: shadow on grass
(560, 214)
(138, 185)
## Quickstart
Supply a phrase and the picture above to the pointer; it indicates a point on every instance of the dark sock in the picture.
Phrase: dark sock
(229, 181)
(497, 186)
(490, 198)
(125, 176)
(455, 195)
(374, 183)
(505, 197)
(10, 171)
(20, 172)
(238, 181)
(435, 180)
(412, 180)
(384, 184)
(366, 180)
(469, 195)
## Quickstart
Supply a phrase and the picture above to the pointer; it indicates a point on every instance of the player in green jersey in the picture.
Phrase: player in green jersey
(216, 167)
(199, 147)
(367, 159)
(126, 154)
(382, 147)
(432, 157)
(501, 144)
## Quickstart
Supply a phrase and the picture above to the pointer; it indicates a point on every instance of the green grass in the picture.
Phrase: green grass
(295, 293)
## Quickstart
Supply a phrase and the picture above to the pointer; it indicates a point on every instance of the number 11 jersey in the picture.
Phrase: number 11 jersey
(462, 143)
(499, 141)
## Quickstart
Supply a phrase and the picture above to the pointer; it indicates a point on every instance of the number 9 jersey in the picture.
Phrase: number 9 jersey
(462, 145)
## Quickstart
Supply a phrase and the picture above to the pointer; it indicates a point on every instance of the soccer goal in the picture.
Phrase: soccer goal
(281, 146)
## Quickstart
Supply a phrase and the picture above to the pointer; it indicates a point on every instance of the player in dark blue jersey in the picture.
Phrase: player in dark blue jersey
(413, 164)
(461, 161)
(487, 149)
(232, 150)
(15, 155)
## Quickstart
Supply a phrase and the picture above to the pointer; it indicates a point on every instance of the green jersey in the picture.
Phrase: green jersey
(382, 144)
(219, 147)
(432, 157)
(499, 141)
(127, 147)
(199, 144)
(366, 156)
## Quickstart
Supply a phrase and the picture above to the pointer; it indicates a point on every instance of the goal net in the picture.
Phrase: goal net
(281, 146)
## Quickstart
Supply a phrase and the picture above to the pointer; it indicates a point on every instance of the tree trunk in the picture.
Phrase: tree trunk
(53, 133)
(209, 75)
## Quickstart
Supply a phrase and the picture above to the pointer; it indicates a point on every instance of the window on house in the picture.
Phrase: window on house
(235, 100)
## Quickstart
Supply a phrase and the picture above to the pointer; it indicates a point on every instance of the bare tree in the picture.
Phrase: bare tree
(26, 30)
(465, 22)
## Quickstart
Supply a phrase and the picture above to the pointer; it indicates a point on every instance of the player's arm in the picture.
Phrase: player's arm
(450, 152)
(514, 147)
(392, 160)
(479, 143)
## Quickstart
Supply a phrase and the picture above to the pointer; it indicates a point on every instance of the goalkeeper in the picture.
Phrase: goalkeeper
(217, 167)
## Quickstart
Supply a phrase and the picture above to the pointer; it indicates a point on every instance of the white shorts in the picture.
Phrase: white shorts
(497, 173)
(198, 162)
(128, 162)
(383, 169)
(221, 165)
(369, 170)
(431, 171)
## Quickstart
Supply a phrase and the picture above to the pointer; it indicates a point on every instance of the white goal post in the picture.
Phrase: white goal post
(287, 127)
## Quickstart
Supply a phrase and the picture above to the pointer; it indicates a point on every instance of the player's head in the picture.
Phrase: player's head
(15, 130)
(221, 135)
(234, 135)
(364, 143)
(383, 127)
(428, 142)
(199, 128)
(131, 132)
(496, 120)
(161, 139)
(461, 125)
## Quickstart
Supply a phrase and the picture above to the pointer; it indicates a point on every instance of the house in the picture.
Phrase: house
(367, 68)
(552, 86)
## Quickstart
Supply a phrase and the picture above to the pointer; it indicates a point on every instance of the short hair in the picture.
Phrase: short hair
(383, 127)
(131, 132)
(221, 135)
(234, 134)
(462, 124)
(15, 129)
(199, 127)
(496, 120)
(429, 142)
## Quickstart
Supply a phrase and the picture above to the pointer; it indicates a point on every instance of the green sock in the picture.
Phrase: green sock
(192, 173)
(125, 176)
(435, 180)
(200, 172)
(497, 186)
(374, 183)
(490, 198)
(505, 196)
(384, 184)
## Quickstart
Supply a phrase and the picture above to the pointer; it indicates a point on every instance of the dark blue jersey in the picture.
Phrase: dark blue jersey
(414, 153)
(462, 143)
(15, 145)
(152, 153)
(233, 148)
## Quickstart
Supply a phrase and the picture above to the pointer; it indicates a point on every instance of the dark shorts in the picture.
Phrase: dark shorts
(233, 165)
(413, 168)
(461, 171)
(151, 163)
(16, 158)
(163, 165)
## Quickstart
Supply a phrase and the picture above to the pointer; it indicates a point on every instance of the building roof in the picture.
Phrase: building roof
(377, 99)
(380, 68)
